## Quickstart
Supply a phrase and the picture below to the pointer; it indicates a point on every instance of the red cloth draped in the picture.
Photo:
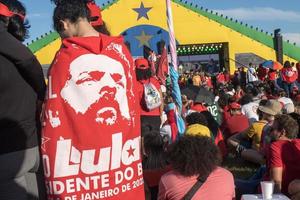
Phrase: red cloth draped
(91, 125)
(163, 67)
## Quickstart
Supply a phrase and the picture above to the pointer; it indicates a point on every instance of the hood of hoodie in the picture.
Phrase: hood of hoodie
(94, 44)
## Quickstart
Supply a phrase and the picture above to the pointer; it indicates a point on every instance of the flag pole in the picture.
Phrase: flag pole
(173, 50)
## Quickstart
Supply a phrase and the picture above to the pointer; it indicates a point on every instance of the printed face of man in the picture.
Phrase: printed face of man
(97, 83)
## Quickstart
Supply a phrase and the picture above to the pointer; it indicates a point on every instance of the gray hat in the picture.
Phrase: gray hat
(272, 107)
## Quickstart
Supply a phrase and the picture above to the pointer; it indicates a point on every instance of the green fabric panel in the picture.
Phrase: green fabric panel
(44, 41)
(291, 50)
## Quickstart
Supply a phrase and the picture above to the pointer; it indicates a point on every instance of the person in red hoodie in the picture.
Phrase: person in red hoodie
(289, 76)
(262, 73)
(91, 127)
(283, 158)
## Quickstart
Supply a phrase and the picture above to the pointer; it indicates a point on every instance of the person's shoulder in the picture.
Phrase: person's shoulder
(220, 171)
(278, 144)
(107, 39)
(170, 174)
(155, 81)
(63, 54)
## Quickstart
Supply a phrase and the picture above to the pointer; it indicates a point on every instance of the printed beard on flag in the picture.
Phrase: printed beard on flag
(91, 133)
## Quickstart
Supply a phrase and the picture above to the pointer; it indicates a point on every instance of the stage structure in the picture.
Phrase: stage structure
(201, 34)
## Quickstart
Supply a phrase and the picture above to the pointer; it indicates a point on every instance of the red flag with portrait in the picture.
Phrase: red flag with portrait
(91, 128)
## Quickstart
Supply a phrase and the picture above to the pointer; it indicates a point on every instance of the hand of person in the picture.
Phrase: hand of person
(239, 149)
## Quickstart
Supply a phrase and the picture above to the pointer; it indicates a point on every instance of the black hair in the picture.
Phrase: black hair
(194, 155)
(223, 100)
(212, 124)
(15, 24)
(245, 99)
(102, 29)
(154, 147)
(289, 124)
(196, 118)
(143, 74)
(296, 117)
(71, 10)
(287, 64)
(254, 92)
(282, 93)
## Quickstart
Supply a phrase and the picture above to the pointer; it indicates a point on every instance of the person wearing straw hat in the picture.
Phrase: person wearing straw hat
(250, 150)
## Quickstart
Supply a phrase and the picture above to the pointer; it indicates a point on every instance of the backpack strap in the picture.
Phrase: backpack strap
(200, 181)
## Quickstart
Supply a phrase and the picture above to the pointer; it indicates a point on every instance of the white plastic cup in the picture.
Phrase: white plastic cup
(267, 188)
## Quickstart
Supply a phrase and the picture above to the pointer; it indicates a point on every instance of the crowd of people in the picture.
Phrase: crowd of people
(109, 127)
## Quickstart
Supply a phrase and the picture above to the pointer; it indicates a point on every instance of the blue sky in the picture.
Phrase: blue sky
(265, 14)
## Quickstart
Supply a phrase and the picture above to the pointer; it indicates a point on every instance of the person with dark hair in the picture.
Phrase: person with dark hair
(294, 189)
(251, 75)
(155, 162)
(262, 73)
(150, 118)
(22, 87)
(196, 118)
(289, 76)
(296, 116)
(196, 159)
(216, 133)
(283, 157)
(197, 125)
(91, 127)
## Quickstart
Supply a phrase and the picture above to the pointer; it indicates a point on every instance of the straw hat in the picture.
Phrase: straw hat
(272, 107)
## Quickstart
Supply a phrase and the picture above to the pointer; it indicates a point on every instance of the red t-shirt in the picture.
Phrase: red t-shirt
(235, 124)
(219, 185)
(286, 154)
(140, 88)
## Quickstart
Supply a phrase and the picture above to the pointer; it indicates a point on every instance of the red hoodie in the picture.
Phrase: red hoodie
(91, 126)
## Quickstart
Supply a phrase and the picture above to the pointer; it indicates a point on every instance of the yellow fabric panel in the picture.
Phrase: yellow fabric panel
(46, 54)
(189, 26)
(120, 16)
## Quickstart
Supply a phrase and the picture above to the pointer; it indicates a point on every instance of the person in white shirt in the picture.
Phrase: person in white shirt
(251, 74)
(249, 108)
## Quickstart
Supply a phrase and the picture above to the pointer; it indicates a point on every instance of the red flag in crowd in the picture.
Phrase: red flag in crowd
(163, 67)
